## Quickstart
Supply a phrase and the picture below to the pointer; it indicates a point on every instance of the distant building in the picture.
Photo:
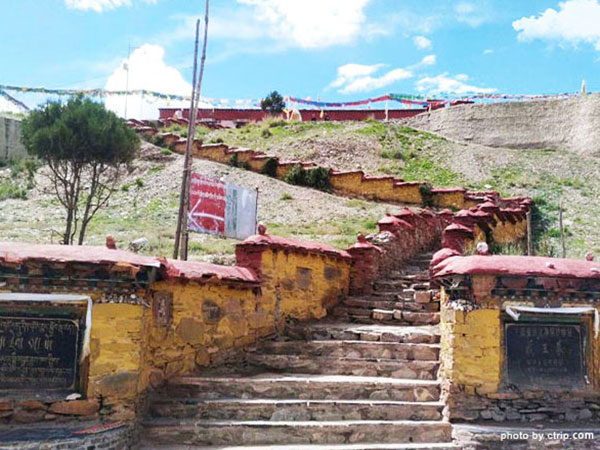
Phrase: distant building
(233, 117)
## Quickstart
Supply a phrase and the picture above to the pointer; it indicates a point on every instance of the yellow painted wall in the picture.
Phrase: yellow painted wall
(282, 170)
(194, 337)
(409, 193)
(455, 200)
(214, 153)
(471, 349)
(506, 232)
(257, 165)
(303, 284)
(116, 356)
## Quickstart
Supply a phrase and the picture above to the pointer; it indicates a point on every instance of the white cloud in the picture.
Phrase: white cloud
(349, 72)
(422, 43)
(147, 70)
(574, 22)
(444, 83)
(306, 24)
(360, 78)
(100, 5)
(428, 60)
(311, 23)
(488, 51)
(471, 14)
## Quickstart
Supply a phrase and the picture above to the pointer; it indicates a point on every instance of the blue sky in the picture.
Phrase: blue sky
(334, 50)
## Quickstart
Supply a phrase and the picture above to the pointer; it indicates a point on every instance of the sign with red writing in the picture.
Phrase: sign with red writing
(220, 208)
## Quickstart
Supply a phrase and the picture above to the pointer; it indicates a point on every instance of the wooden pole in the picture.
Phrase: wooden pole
(190, 141)
(562, 229)
(183, 193)
(529, 234)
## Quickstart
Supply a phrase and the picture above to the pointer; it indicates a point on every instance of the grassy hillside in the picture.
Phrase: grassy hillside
(146, 204)
(548, 176)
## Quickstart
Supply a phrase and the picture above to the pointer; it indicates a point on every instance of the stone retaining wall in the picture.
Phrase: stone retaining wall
(571, 124)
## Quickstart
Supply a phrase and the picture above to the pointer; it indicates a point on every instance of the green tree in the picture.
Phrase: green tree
(86, 149)
(273, 103)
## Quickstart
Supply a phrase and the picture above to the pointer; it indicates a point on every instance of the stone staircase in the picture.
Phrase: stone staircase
(364, 378)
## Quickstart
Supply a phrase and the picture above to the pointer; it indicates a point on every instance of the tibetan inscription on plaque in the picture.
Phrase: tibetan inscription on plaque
(38, 353)
(542, 354)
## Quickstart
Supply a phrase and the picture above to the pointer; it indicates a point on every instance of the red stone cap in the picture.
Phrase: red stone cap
(19, 253)
(205, 272)
(442, 255)
(293, 244)
(459, 227)
(362, 243)
(448, 190)
(518, 266)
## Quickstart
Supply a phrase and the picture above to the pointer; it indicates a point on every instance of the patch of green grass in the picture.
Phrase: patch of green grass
(286, 196)
(392, 154)
(356, 203)
(373, 127)
(156, 169)
(424, 169)
(9, 189)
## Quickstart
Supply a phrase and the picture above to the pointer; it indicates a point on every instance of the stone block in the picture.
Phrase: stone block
(74, 408)
(31, 405)
(121, 384)
(422, 296)
(24, 416)
(190, 331)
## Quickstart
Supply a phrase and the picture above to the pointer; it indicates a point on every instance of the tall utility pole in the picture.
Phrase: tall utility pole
(182, 234)
(190, 143)
(183, 194)
(562, 229)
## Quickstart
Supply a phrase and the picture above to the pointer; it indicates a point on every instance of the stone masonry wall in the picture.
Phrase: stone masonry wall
(571, 124)
(473, 366)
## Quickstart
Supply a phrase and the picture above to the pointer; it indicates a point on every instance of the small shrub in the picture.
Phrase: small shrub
(235, 162)
(286, 196)
(166, 151)
(218, 140)
(157, 140)
(426, 194)
(270, 167)
(296, 175)
(266, 133)
(277, 123)
(12, 190)
(317, 177)
(392, 154)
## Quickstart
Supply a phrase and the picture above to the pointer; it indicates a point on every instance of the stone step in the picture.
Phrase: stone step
(291, 410)
(326, 330)
(146, 445)
(304, 387)
(416, 370)
(352, 349)
(422, 277)
(375, 303)
(199, 432)
(364, 315)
